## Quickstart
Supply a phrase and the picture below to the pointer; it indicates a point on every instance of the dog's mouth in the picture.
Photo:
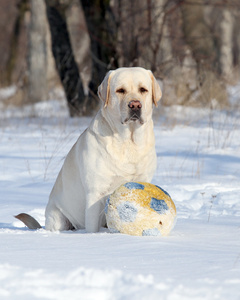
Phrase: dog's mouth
(134, 117)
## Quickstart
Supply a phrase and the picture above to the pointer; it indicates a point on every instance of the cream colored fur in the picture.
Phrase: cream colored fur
(111, 151)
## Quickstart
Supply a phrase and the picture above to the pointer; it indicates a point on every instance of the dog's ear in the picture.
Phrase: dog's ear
(104, 88)
(156, 90)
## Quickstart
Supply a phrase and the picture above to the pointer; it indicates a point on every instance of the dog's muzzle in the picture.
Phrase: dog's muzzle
(135, 108)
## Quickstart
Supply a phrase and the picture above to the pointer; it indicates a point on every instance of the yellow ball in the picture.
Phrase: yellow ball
(140, 208)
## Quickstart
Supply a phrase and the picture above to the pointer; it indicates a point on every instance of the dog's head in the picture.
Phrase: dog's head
(129, 94)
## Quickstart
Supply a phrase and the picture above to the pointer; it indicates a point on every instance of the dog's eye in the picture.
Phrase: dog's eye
(143, 90)
(121, 91)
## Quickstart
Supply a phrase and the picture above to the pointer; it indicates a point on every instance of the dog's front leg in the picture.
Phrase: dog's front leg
(94, 213)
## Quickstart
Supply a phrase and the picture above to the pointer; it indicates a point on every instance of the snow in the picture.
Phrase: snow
(198, 164)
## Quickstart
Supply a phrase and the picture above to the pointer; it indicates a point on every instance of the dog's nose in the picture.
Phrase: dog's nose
(135, 105)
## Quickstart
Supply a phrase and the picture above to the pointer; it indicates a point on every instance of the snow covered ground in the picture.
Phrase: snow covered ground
(198, 164)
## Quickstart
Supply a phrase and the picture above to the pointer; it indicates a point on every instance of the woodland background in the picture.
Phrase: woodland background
(192, 47)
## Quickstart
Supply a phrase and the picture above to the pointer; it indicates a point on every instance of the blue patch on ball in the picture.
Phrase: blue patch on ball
(127, 211)
(134, 185)
(151, 232)
(160, 206)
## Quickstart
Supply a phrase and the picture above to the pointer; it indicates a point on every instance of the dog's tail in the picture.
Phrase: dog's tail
(29, 221)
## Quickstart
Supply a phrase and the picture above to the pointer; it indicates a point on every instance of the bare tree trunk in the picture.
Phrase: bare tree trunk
(132, 32)
(197, 34)
(64, 57)
(13, 37)
(13, 50)
(211, 90)
(226, 49)
(142, 34)
(161, 47)
(103, 35)
(37, 89)
(53, 80)
(237, 43)
(80, 42)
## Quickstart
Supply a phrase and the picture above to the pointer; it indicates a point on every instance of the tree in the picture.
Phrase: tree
(226, 47)
(102, 30)
(37, 56)
(192, 45)
(195, 79)
(64, 57)
(13, 50)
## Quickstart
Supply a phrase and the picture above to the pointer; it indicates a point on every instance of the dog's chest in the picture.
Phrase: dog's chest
(131, 159)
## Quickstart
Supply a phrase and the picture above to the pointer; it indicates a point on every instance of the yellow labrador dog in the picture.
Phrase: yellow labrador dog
(117, 147)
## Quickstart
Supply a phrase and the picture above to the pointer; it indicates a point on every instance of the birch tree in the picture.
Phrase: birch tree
(226, 48)
(37, 87)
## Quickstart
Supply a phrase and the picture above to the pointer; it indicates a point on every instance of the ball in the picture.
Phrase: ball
(140, 208)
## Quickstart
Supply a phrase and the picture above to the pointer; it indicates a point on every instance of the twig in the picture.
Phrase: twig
(213, 198)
